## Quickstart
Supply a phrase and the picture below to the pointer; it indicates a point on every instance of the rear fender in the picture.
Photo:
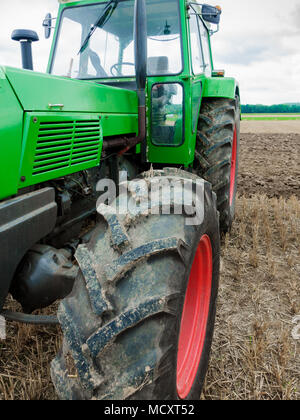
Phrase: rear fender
(220, 87)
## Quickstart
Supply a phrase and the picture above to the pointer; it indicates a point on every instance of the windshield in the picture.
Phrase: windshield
(93, 43)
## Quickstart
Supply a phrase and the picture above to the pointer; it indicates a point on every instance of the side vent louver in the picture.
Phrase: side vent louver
(66, 144)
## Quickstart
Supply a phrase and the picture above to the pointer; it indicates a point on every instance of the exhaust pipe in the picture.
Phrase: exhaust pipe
(140, 56)
(140, 44)
(25, 37)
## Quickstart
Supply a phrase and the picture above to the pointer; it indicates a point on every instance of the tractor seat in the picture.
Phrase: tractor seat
(158, 65)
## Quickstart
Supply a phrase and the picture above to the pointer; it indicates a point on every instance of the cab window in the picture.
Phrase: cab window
(205, 48)
(196, 47)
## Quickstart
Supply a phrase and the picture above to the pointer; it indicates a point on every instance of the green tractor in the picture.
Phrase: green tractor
(130, 89)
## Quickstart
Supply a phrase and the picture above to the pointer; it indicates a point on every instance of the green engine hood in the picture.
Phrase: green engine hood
(36, 91)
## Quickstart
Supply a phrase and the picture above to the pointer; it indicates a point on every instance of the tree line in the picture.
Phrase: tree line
(271, 109)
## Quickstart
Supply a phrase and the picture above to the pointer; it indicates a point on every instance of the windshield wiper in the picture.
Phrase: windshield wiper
(108, 11)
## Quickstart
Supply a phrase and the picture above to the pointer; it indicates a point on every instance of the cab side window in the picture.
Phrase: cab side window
(205, 48)
(196, 47)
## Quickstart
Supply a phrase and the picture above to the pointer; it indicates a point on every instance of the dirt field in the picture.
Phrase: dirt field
(254, 353)
(267, 127)
(270, 164)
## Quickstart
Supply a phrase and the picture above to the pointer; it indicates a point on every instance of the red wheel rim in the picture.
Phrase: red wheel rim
(194, 318)
(233, 167)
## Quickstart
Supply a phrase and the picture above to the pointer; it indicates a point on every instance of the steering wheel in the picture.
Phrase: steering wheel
(115, 67)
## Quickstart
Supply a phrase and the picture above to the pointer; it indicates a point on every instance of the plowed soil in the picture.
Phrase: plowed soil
(270, 164)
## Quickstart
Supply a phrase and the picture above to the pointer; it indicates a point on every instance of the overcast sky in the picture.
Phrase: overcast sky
(258, 43)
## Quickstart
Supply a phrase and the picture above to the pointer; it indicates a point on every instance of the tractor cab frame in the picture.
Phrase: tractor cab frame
(180, 69)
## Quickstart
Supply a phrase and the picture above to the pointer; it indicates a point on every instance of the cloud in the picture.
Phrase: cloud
(294, 18)
(259, 45)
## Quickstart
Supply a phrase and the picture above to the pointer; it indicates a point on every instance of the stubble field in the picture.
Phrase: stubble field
(255, 351)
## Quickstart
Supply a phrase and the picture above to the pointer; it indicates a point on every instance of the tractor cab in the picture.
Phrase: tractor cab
(163, 54)
(95, 42)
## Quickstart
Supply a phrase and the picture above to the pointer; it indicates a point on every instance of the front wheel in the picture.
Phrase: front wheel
(139, 322)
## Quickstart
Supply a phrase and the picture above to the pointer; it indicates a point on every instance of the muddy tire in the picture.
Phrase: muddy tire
(144, 279)
(217, 152)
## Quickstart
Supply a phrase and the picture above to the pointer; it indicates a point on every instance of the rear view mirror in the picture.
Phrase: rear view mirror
(211, 14)
(47, 24)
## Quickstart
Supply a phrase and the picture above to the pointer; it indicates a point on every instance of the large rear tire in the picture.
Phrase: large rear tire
(217, 152)
(139, 322)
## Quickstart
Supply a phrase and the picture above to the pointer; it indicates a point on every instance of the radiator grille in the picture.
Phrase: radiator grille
(65, 144)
